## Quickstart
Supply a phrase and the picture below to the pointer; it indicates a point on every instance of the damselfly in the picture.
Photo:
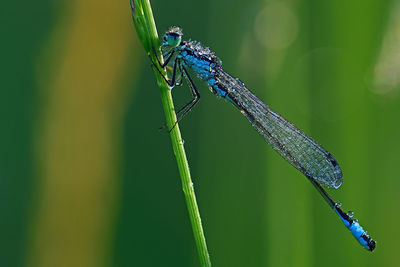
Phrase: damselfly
(301, 151)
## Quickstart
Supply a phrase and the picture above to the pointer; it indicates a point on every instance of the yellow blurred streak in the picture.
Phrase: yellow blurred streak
(276, 27)
(387, 69)
(78, 137)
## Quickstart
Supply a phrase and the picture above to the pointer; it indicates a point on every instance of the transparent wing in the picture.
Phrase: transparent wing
(292, 144)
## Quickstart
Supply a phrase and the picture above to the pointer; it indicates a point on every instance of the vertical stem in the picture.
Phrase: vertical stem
(147, 33)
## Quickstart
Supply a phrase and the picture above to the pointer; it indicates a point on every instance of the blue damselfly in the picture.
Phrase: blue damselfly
(301, 151)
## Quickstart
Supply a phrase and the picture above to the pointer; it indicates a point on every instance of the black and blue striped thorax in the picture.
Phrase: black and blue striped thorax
(199, 58)
(206, 65)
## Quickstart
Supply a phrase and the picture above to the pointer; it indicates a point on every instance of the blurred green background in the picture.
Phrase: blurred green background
(87, 179)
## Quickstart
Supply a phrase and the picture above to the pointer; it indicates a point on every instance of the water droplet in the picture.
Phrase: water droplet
(350, 213)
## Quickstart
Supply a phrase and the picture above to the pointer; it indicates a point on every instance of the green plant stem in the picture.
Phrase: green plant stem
(147, 32)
